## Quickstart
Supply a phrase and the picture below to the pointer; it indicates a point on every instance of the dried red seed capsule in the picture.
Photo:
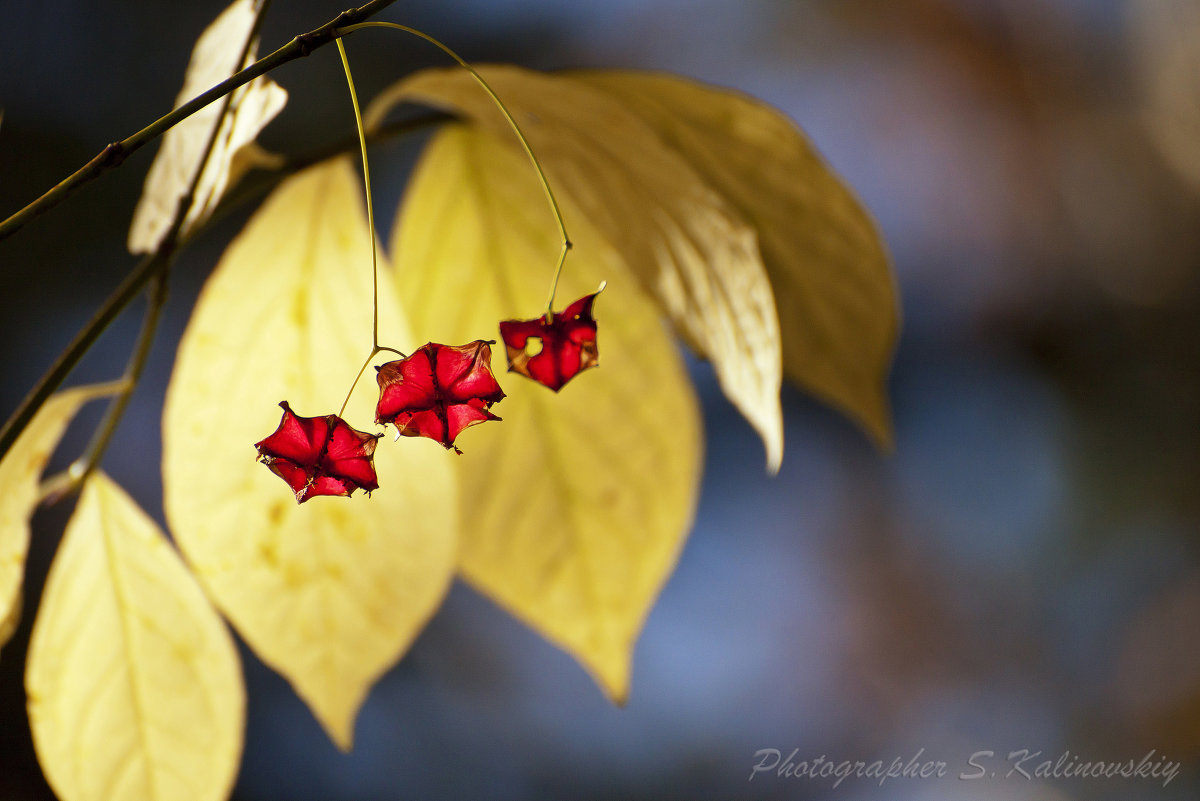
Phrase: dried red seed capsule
(320, 455)
(568, 344)
(438, 391)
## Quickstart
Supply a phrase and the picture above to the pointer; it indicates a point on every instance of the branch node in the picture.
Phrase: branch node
(113, 155)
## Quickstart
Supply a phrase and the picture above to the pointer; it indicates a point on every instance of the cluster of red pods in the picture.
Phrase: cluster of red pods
(436, 392)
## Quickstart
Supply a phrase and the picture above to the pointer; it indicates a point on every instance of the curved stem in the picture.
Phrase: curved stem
(354, 383)
(562, 229)
(374, 350)
(362, 146)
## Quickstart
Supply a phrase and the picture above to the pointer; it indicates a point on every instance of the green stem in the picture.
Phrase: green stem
(562, 229)
(362, 146)
(114, 154)
(375, 351)
(354, 383)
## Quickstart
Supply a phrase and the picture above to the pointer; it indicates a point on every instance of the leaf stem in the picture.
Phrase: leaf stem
(362, 146)
(374, 350)
(562, 229)
(115, 153)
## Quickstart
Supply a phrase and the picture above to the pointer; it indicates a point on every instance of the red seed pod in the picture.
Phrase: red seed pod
(438, 391)
(568, 344)
(320, 455)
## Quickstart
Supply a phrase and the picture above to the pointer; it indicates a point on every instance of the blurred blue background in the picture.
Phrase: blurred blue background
(1022, 572)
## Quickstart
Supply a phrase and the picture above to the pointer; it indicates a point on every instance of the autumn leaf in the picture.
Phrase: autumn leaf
(20, 471)
(689, 247)
(575, 508)
(838, 312)
(134, 685)
(251, 107)
(330, 593)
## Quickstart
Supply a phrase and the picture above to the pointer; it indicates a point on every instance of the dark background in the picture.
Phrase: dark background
(1021, 573)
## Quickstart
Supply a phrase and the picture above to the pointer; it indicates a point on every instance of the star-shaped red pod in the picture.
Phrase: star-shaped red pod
(438, 391)
(320, 455)
(568, 343)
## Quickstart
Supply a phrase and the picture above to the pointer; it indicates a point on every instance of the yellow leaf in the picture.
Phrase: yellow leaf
(833, 285)
(576, 505)
(251, 107)
(330, 593)
(135, 690)
(20, 471)
(689, 247)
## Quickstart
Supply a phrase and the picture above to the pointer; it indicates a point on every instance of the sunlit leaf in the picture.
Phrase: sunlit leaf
(251, 107)
(690, 248)
(135, 690)
(330, 593)
(575, 507)
(838, 313)
(20, 471)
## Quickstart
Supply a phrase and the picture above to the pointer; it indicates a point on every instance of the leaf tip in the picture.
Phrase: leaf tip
(874, 417)
(343, 738)
(774, 461)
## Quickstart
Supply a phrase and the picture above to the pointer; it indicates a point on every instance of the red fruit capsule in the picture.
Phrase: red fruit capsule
(320, 455)
(438, 391)
(568, 344)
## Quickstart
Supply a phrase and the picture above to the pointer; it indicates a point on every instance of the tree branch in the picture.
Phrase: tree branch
(114, 154)
(158, 262)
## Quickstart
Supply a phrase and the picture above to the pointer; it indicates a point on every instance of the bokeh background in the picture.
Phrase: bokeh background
(1021, 573)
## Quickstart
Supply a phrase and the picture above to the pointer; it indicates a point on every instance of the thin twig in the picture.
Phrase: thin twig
(157, 297)
(114, 154)
(58, 486)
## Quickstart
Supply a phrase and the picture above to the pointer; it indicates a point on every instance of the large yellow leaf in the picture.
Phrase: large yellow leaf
(691, 249)
(330, 593)
(833, 285)
(20, 471)
(576, 505)
(251, 107)
(135, 690)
